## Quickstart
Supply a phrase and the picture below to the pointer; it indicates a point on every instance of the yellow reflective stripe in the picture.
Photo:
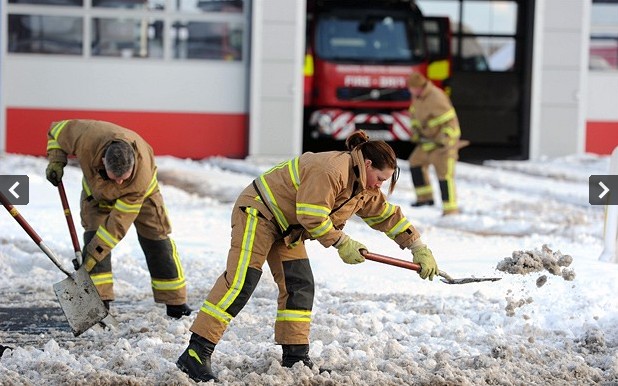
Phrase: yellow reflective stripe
(246, 249)
(152, 186)
(401, 226)
(321, 229)
(216, 312)
(181, 272)
(312, 210)
(447, 116)
(86, 187)
(451, 131)
(449, 205)
(308, 69)
(423, 190)
(126, 207)
(272, 203)
(102, 278)
(169, 285)
(388, 211)
(55, 131)
(294, 172)
(295, 243)
(428, 146)
(53, 144)
(106, 237)
(293, 316)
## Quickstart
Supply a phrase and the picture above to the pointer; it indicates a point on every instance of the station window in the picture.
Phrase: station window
(484, 32)
(127, 38)
(45, 34)
(156, 29)
(604, 35)
(207, 40)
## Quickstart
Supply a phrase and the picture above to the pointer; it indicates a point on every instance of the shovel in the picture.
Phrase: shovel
(77, 295)
(77, 261)
(444, 277)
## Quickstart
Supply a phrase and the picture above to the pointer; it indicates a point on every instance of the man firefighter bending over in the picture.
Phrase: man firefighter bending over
(119, 189)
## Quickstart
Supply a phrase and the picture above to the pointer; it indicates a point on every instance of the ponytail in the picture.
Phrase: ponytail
(379, 153)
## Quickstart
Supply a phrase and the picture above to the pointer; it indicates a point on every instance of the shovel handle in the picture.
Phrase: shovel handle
(31, 232)
(391, 261)
(402, 264)
(18, 217)
(70, 223)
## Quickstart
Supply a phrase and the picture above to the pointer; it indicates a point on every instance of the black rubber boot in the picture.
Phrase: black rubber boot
(178, 311)
(422, 203)
(106, 303)
(293, 353)
(195, 360)
(419, 180)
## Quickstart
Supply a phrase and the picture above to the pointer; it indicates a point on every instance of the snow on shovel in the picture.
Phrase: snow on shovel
(446, 278)
(77, 295)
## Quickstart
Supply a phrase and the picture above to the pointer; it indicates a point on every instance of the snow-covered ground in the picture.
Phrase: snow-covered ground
(373, 324)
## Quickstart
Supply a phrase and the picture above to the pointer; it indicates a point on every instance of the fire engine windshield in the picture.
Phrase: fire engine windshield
(350, 37)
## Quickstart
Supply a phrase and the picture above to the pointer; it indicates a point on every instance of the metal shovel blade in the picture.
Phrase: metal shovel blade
(467, 280)
(80, 301)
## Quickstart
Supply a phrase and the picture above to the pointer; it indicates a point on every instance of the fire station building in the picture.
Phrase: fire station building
(199, 78)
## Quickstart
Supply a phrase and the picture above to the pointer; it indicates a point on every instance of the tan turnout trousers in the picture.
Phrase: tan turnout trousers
(254, 241)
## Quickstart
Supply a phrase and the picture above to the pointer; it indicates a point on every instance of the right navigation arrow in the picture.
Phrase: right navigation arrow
(605, 189)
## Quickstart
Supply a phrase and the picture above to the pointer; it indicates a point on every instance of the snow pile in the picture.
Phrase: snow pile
(373, 324)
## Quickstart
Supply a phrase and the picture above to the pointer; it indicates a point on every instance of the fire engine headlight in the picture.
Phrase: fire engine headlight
(325, 124)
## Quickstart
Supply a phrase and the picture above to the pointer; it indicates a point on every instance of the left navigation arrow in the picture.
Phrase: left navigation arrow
(15, 188)
(12, 190)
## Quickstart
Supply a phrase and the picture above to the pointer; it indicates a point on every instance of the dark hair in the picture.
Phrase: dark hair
(379, 153)
(119, 158)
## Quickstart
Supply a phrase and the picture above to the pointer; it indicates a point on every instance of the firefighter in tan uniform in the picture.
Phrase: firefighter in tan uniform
(435, 130)
(119, 189)
(308, 197)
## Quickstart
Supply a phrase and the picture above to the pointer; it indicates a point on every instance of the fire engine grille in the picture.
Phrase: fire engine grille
(372, 126)
(372, 94)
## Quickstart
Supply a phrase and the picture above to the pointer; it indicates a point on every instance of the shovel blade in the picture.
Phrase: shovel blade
(80, 301)
(469, 280)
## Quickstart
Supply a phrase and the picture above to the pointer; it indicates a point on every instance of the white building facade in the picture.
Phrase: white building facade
(202, 78)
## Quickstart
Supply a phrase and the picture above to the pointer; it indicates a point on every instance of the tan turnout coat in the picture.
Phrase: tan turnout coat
(87, 140)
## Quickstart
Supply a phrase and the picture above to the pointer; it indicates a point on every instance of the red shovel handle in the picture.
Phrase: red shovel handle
(18, 217)
(391, 261)
(69, 217)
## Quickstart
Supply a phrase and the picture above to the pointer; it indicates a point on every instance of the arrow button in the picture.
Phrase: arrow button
(12, 190)
(605, 189)
(15, 188)
(602, 189)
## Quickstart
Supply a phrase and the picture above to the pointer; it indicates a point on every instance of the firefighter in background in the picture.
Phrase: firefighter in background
(308, 197)
(435, 130)
(119, 189)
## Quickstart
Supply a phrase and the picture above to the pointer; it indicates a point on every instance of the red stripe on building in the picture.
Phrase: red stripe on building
(601, 136)
(184, 135)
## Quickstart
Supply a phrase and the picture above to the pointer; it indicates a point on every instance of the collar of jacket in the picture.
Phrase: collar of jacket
(358, 167)
(426, 90)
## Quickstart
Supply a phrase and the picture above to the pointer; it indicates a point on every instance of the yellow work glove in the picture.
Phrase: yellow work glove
(89, 262)
(350, 250)
(424, 257)
(54, 172)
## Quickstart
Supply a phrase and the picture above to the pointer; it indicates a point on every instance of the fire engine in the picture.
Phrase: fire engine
(359, 55)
